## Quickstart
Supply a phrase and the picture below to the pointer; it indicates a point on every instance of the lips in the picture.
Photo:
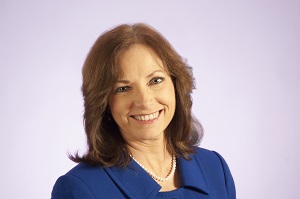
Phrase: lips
(146, 117)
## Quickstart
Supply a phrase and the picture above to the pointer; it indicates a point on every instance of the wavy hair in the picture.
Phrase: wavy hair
(106, 146)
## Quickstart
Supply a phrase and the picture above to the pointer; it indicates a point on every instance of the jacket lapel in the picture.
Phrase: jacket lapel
(134, 181)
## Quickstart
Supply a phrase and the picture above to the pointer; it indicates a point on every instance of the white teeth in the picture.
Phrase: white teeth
(146, 117)
(151, 117)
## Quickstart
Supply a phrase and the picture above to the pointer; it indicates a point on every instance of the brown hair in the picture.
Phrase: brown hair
(106, 146)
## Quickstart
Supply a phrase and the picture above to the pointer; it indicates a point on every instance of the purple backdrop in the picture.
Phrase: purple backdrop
(246, 60)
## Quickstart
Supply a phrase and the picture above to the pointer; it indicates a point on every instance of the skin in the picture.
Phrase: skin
(143, 104)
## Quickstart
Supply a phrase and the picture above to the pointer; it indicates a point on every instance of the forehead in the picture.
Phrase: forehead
(139, 59)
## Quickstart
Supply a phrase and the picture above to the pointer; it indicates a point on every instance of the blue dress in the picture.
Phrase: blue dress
(205, 176)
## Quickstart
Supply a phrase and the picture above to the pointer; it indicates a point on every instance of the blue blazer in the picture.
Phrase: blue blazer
(205, 176)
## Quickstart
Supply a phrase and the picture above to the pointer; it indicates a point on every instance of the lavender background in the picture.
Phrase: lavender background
(246, 60)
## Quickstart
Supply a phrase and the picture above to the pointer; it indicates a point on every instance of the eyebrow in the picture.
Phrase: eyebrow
(149, 75)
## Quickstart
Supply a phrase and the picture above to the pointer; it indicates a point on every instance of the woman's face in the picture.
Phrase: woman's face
(143, 102)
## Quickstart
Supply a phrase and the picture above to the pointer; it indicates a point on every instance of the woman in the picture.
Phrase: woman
(142, 138)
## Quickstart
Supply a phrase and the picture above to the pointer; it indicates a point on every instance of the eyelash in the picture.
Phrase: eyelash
(161, 79)
(121, 89)
(153, 81)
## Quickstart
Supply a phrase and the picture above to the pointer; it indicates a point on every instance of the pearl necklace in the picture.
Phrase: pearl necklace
(155, 177)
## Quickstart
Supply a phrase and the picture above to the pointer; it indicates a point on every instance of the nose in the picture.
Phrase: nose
(143, 98)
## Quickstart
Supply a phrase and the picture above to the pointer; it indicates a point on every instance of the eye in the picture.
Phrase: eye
(122, 89)
(156, 80)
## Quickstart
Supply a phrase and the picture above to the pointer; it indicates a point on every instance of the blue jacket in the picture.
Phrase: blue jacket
(205, 176)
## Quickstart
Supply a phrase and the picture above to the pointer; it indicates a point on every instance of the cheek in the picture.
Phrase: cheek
(173, 100)
(117, 106)
(170, 94)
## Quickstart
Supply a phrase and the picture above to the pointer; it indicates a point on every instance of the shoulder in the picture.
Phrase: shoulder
(211, 157)
(216, 169)
(83, 170)
(80, 182)
(88, 174)
(210, 160)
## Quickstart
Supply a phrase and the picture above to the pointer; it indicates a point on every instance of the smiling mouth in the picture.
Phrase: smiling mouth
(148, 117)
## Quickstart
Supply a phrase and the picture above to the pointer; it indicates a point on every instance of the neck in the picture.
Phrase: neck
(156, 177)
(154, 150)
(152, 155)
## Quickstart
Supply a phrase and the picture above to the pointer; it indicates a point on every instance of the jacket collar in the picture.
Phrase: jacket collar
(136, 183)
(192, 175)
